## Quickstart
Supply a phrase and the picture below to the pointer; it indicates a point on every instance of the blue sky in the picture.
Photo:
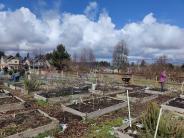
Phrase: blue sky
(121, 11)
(150, 28)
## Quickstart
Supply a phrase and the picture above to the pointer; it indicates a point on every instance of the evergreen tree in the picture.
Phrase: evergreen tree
(59, 56)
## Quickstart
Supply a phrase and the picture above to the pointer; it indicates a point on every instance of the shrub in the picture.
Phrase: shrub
(150, 116)
(31, 85)
(169, 125)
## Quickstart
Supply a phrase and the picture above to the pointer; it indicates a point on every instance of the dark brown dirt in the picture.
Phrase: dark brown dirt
(135, 87)
(161, 99)
(64, 92)
(94, 105)
(11, 124)
(157, 89)
(8, 100)
(178, 102)
(139, 94)
(107, 88)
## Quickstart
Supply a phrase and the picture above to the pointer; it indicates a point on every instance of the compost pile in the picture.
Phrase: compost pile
(13, 124)
(8, 100)
(95, 104)
(178, 102)
(65, 92)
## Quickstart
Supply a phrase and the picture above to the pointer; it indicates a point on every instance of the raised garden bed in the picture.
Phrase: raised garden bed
(15, 86)
(95, 107)
(66, 117)
(4, 93)
(107, 88)
(156, 91)
(134, 87)
(26, 124)
(10, 103)
(135, 96)
(126, 132)
(64, 95)
(175, 105)
(8, 100)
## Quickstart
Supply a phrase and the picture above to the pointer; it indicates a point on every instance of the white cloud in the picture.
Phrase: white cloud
(2, 6)
(151, 38)
(146, 38)
(91, 10)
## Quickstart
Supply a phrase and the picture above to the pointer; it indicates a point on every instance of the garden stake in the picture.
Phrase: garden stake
(129, 110)
(182, 87)
(160, 113)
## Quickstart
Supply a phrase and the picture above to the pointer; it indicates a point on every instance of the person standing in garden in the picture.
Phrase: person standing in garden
(162, 79)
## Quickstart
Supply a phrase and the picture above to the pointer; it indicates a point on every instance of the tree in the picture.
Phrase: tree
(120, 55)
(87, 55)
(17, 55)
(35, 52)
(48, 56)
(1, 54)
(59, 57)
(27, 56)
(75, 57)
(104, 64)
(143, 63)
(182, 66)
(91, 55)
(162, 60)
(132, 64)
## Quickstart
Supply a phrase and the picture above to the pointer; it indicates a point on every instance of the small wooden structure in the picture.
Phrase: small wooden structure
(126, 78)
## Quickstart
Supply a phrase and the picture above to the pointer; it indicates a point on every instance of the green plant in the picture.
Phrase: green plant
(42, 135)
(42, 103)
(150, 116)
(169, 125)
(31, 85)
(104, 130)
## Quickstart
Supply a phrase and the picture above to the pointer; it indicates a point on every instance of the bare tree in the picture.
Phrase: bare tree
(120, 55)
(162, 60)
(87, 55)
(35, 52)
(91, 56)
(75, 57)
(83, 56)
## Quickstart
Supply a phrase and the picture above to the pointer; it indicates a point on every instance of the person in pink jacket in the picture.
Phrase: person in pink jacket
(162, 79)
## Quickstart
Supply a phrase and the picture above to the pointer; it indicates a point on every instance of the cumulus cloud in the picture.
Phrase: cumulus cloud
(151, 38)
(147, 38)
(91, 10)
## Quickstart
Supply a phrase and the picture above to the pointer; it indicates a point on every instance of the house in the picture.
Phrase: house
(40, 62)
(27, 63)
(10, 62)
